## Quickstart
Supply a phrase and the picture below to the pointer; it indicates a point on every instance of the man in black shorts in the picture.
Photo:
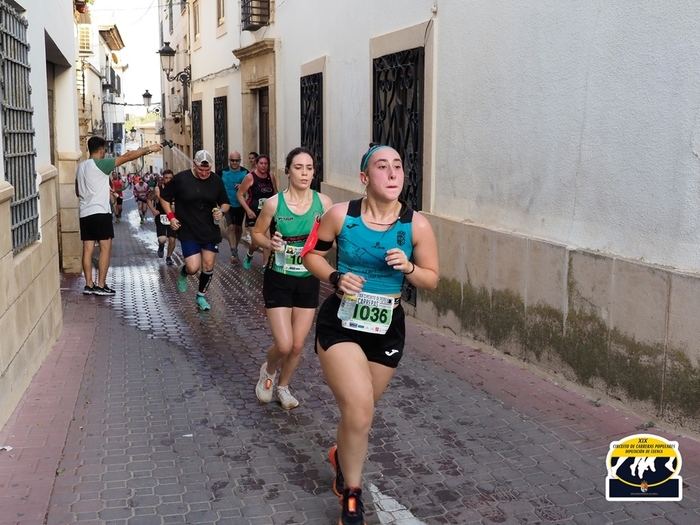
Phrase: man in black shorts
(93, 192)
(232, 178)
(201, 201)
(163, 230)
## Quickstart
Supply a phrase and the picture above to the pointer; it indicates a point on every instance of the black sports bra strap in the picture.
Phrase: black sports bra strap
(407, 215)
(355, 208)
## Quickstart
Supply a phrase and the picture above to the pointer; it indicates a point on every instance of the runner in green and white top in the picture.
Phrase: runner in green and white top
(289, 289)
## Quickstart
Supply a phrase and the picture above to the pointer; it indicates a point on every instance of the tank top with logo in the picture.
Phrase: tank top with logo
(294, 229)
(261, 190)
(362, 251)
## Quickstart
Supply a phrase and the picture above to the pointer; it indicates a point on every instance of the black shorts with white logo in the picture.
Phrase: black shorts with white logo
(96, 227)
(288, 291)
(386, 349)
(251, 222)
(163, 230)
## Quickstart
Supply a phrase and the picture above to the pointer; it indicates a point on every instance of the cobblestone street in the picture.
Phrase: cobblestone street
(145, 413)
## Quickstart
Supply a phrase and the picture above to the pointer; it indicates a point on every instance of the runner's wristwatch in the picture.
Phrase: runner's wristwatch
(334, 278)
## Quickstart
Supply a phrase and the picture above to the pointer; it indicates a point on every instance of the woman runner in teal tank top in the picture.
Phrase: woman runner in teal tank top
(289, 289)
(381, 242)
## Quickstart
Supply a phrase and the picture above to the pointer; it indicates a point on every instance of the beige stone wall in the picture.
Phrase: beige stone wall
(624, 328)
(258, 71)
(69, 246)
(30, 301)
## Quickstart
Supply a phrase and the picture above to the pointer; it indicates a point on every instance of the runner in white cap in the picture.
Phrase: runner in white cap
(201, 202)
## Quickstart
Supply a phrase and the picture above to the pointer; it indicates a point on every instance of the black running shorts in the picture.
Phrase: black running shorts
(288, 291)
(234, 216)
(386, 349)
(163, 230)
(97, 227)
(251, 222)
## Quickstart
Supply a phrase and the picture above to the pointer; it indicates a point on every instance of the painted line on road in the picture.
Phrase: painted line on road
(390, 511)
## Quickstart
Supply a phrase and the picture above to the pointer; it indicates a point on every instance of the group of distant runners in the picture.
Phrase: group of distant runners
(380, 243)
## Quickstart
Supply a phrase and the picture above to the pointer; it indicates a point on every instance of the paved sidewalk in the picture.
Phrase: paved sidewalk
(145, 413)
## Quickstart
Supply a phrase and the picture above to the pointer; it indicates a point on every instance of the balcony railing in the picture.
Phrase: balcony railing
(255, 14)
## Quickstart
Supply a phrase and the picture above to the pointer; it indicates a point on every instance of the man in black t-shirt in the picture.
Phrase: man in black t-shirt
(201, 202)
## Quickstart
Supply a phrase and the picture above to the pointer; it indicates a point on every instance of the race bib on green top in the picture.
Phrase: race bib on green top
(372, 314)
(260, 203)
(293, 263)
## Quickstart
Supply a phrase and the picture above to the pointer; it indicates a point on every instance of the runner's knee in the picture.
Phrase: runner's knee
(357, 416)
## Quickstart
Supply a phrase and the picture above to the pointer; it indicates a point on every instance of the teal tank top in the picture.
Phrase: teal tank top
(294, 229)
(362, 250)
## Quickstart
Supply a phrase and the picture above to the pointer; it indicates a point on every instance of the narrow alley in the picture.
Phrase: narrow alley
(145, 413)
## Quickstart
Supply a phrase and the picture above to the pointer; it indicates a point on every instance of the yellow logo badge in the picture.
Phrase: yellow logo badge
(644, 467)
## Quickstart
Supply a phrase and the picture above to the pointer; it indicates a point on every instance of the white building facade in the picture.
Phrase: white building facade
(38, 208)
(175, 29)
(99, 71)
(554, 147)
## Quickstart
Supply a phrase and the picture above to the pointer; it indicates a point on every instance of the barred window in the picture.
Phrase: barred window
(17, 128)
(255, 14)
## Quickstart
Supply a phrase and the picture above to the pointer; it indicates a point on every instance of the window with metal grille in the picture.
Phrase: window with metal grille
(17, 129)
(397, 120)
(220, 133)
(255, 14)
(312, 121)
(84, 39)
(197, 141)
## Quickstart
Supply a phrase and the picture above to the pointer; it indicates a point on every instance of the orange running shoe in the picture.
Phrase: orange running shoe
(338, 485)
(353, 510)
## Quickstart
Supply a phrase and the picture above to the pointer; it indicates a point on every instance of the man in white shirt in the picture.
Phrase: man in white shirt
(92, 189)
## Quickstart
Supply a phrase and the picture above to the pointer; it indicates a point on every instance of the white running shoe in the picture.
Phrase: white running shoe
(266, 384)
(287, 400)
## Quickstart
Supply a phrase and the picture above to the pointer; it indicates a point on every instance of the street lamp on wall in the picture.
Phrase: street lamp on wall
(147, 102)
(147, 98)
(167, 64)
(132, 137)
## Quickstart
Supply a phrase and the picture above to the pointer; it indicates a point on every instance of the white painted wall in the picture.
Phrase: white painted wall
(311, 29)
(213, 74)
(575, 122)
(56, 19)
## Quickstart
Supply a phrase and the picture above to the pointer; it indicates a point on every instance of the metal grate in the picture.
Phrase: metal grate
(17, 130)
(220, 134)
(255, 14)
(197, 141)
(312, 121)
(397, 95)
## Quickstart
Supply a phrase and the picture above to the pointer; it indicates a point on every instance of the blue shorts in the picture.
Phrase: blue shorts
(193, 247)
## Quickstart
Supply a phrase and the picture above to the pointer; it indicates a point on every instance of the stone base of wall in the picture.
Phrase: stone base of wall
(622, 327)
(30, 302)
(70, 247)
